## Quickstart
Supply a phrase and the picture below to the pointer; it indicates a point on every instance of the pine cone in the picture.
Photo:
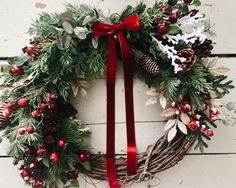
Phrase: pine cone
(35, 51)
(3, 119)
(148, 65)
(190, 57)
(202, 49)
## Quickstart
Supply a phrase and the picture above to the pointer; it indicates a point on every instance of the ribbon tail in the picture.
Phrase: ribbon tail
(110, 142)
(128, 61)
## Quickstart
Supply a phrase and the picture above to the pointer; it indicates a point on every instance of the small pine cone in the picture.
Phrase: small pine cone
(190, 57)
(35, 51)
(52, 123)
(3, 119)
(148, 65)
(202, 49)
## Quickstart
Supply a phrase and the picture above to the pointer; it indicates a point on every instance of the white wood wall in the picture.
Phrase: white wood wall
(215, 168)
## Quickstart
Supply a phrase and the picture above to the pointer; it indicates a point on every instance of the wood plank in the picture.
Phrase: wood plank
(15, 19)
(205, 172)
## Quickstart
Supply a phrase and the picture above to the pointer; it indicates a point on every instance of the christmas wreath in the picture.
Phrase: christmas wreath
(166, 45)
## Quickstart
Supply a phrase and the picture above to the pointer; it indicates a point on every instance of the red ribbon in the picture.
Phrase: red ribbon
(129, 23)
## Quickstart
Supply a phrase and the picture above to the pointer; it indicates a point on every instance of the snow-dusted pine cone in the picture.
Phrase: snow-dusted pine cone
(190, 57)
(202, 49)
(148, 65)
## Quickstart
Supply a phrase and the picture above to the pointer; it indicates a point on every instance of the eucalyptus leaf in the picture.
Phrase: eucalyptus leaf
(81, 32)
(89, 20)
(67, 27)
(95, 42)
(66, 16)
(67, 40)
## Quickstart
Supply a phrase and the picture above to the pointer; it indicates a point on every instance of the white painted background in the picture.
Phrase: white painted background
(214, 169)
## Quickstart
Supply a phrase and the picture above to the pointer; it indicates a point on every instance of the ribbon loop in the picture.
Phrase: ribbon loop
(129, 23)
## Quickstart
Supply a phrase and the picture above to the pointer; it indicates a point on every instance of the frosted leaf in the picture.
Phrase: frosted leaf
(182, 127)
(67, 27)
(81, 32)
(152, 92)
(151, 101)
(170, 123)
(169, 112)
(163, 101)
(95, 42)
(171, 134)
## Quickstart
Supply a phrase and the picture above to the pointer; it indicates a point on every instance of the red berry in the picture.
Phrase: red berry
(188, 1)
(180, 100)
(173, 104)
(84, 157)
(50, 96)
(197, 116)
(174, 18)
(21, 167)
(17, 70)
(34, 165)
(214, 111)
(177, 112)
(30, 151)
(38, 159)
(193, 125)
(52, 105)
(186, 108)
(7, 113)
(212, 119)
(43, 106)
(39, 183)
(61, 143)
(27, 50)
(162, 29)
(32, 180)
(54, 157)
(21, 131)
(25, 174)
(9, 105)
(42, 151)
(210, 132)
(23, 102)
(203, 128)
(72, 175)
(30, 129)
(35, 113)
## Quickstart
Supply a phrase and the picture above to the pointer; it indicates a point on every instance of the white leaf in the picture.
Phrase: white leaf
(169, 124)
(67, 41)
(68, 27)
(152, 92)
(182, 127)
(84, 84)
(171, 134)
(89, 19)
(184, 118)
(81, 32)
(95, 42)
(220, 70)
(75, 88)
(163, 101)
(168, 112)
(151, 101)
(216, 102)
(83, 92)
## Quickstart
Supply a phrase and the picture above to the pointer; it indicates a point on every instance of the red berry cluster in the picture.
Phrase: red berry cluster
(8, 107)
(170, 16)
(183, 105)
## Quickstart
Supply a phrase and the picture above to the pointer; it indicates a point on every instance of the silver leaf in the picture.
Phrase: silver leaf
(68, 27)
(60, 42)
(95, 42)
(182, 127)
(55, 30)
(169, 124)
(66, 16)
(67, 40)
(81, 32)
(89, 20)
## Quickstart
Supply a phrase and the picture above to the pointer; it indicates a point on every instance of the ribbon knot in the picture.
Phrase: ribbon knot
(99, 29)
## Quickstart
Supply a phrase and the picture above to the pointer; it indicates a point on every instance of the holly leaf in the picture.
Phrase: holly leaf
(171, 134)
(197, 2)
(173, 30)
(184, 8)
(87, 165)
(45, 162)
(172, 2)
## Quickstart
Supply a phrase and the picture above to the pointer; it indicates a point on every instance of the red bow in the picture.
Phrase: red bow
(129, 23)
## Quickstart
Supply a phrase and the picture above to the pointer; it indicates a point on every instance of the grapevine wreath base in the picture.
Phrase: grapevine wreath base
(165, 45)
